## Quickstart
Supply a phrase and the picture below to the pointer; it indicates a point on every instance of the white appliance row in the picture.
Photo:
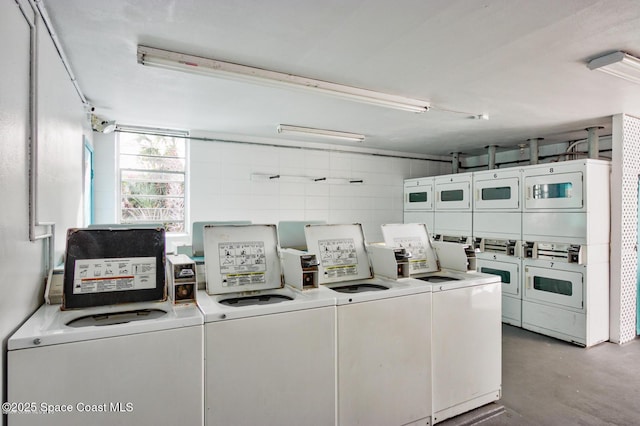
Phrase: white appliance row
(344, 346)
(560, 208)
(337, 346)
(559, 202)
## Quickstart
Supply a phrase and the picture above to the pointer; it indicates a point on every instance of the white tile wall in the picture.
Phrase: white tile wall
(222, 188)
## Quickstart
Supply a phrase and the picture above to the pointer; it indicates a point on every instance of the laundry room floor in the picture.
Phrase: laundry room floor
(550, 382)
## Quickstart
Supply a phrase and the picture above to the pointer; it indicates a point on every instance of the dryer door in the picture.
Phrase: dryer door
(453, 196)
(497, 194)
(507, 271)
(554, 191)
(418, 195)
(554, 286)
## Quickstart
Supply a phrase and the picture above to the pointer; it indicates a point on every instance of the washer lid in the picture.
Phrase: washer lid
(340, 249)
(50, 325)
(241, 258)
(414, 238)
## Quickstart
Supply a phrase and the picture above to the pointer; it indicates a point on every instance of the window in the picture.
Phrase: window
(553, 285)
(452, 195)
(552, 190)
(498, 193)
(153, 177)
(417, 197)
(505, 276)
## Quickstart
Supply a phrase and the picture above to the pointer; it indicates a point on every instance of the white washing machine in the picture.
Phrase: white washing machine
(269, 349)
(125, 363)
(466, 345)
(383, 333)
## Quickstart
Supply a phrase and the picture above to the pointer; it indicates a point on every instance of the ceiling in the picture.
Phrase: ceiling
(523, 63)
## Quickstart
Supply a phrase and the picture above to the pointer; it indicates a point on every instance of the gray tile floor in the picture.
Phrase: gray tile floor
(549, 382)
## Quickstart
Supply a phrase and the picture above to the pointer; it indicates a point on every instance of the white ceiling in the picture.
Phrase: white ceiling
(521, 62)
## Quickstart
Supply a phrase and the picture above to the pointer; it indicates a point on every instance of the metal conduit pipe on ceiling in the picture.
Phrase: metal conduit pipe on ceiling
(455, 162)
(594, 141)
(533, 150)
(491, 156)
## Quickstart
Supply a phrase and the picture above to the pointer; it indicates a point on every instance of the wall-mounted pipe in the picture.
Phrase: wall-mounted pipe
(33, 128)
(455, 162)
(491, 156)
(594, 141)
(33, 147)
(42, 12)
(533, 150)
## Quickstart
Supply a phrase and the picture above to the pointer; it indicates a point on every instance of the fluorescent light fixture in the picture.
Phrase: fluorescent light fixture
(329, 134)
(211, 67)
(619, 64)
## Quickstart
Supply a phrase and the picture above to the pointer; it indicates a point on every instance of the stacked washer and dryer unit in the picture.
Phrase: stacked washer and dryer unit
(497, 231)
(565, 226)
(544, 229)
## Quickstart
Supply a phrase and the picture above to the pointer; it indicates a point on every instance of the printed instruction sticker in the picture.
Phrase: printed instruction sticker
(338, 257)
(419, 260)
(122, 274)
(242, 263)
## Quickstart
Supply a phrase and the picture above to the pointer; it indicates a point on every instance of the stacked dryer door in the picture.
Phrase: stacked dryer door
(566, 249)
(497, 229)
(419, 202)
(453, 208)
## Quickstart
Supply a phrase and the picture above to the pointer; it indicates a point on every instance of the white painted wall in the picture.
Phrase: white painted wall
(104, 178)
(221, 187)
(60, 122)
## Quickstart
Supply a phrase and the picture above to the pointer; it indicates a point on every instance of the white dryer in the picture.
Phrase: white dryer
(124, 363)
(383, 333)
(269, 350)
(466, 345)
(419, 201)
(453, 207)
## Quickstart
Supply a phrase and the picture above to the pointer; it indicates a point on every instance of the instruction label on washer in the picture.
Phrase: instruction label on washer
(242, 263)
(122, 274)
(419, 260)
(338, 257)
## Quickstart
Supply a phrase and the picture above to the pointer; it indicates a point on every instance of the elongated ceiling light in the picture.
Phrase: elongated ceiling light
(619, 64)
(329, 134)
(211, 67)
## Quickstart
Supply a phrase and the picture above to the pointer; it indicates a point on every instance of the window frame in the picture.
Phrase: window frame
(160, 133)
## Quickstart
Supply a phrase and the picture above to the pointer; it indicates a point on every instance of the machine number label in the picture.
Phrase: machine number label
(242, 263)
(122, 274)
